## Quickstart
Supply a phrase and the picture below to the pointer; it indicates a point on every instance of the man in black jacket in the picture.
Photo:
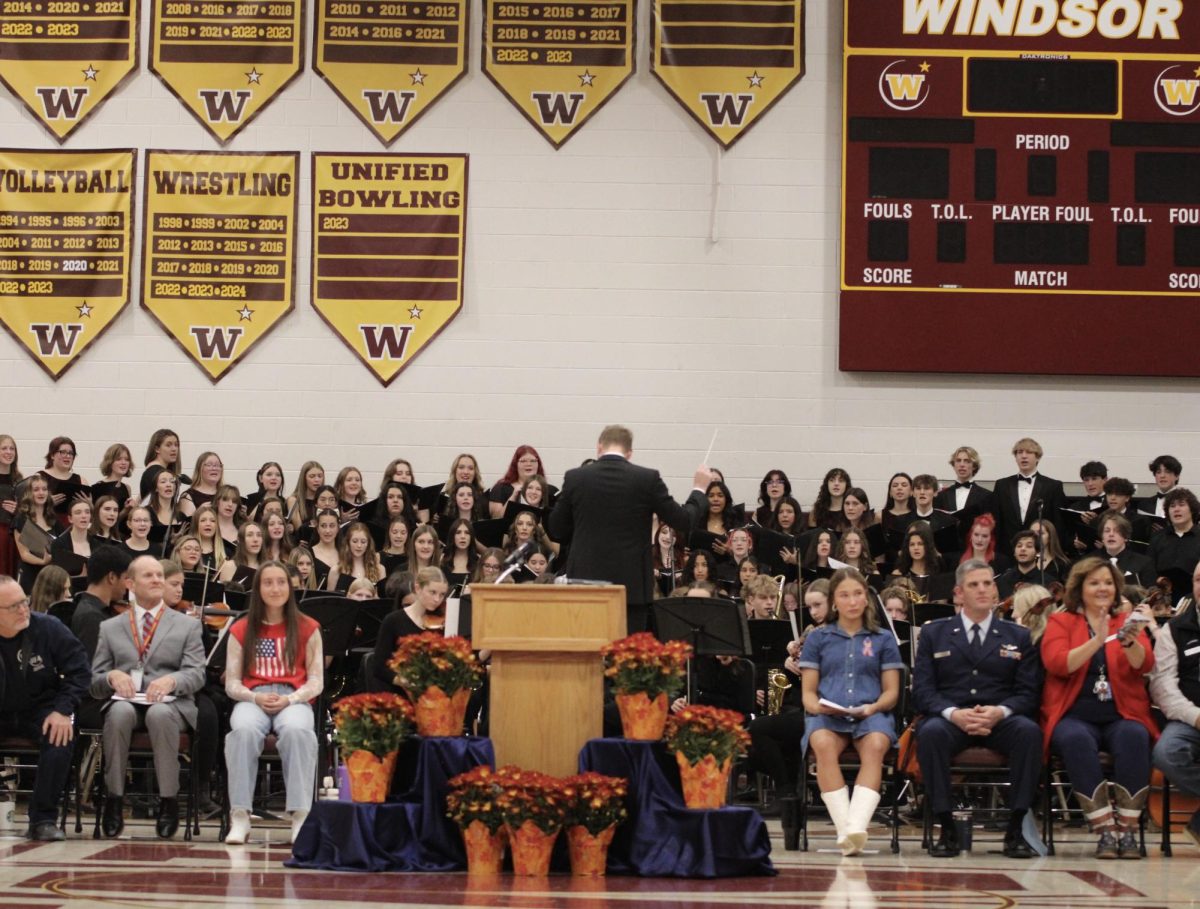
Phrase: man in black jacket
(1018, 499)
(106, 572)
(44, 673)
(605, 511)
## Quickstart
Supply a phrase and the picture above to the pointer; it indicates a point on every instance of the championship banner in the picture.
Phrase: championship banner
(558, 62)
(219, 249)
(389, 233)
(66, 231)
(63, 58)
(727, 61)
(390, 61)
(226, 60)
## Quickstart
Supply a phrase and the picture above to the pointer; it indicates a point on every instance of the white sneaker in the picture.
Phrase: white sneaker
(239, 827)
(298, 818)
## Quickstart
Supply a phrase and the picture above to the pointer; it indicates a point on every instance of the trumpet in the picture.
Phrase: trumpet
(777, 684)
(780, 612)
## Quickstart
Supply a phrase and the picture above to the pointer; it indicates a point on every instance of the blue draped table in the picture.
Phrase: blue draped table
(663, 838)
(410, 832)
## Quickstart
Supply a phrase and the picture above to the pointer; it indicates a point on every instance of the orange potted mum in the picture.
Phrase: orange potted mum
(596, 805)
(370, 728)
(472, 804)
(438, 673)
(705, 741)
(534, 808)
(646, 673)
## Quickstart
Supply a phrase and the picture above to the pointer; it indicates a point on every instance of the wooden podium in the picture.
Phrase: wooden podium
(547, 676)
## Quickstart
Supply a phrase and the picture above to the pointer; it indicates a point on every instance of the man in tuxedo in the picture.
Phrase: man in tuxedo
(977, 682)
(964, 500)
(157, 653)
(1114, 533)
(605, 510)
(1166, 470)
(943, 526)
(1018, 496)
(1025, 571)
(1081, 520)
(1176, 549)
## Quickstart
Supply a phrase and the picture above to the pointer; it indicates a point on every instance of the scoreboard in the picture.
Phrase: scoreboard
(1021, 187)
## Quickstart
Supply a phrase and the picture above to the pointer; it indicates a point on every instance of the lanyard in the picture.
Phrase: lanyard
(143, 646)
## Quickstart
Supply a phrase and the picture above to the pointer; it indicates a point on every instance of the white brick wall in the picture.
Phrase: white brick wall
(594, 294)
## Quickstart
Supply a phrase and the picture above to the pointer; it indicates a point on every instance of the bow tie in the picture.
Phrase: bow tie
(1160, 495)
(963, 485)
(1026, 479)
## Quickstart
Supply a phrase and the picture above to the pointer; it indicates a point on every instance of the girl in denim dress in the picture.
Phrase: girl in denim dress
(851, 680)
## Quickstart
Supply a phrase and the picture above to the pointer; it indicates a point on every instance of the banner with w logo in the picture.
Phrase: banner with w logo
(226, 61)
(66, 231)
(388, 250)
(558, 62)
(219, 249)
(727, 61)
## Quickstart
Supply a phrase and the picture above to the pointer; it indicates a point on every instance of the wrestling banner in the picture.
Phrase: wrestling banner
(558, 62)
(226, 60)
(388, 249)
(389, 61)
(219, 249)
(63, 58)
(727, 61)
(66, 230)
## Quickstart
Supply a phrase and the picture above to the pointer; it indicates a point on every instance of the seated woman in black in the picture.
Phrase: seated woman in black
(351, 497)
(302, 503)
(106, 521)
(246, 558)
(815, 563)
(720, 517)
(77, 538)
(700, 567)
(394, 553)
(356, 559)
(525, 463)
(775, 486)
(139, 522)
(430, 588)
(919, 558)
(162, 453)
(827, 509)
(208, 477)
(461, 553)
(34, 510)
(116, 467)
(669, 559)
(324, 550)
(270, 485)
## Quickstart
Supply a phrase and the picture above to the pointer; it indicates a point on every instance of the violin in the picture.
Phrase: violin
(1160, 598)
(435, 619)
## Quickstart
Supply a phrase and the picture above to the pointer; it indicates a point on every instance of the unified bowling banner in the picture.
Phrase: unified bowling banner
(226, 59)
(558, 62)
(389, 234)
(219, 249)
(727, 61)
(63, 58)
(389, 61)
(66, 230)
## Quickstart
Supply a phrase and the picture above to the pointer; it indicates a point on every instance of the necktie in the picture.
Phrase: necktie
(147, 627)
(976, 640)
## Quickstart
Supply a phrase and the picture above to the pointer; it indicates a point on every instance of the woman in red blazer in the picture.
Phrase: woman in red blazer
(1095, 699)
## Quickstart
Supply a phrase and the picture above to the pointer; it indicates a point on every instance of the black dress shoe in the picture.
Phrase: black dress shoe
(947, 844)
(112, 822)
(45, 832)
(168, 818)
(1015, 846)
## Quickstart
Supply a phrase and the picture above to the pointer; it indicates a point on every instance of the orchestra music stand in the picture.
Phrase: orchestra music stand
(769, 639)
(338, 617)
(713, 626)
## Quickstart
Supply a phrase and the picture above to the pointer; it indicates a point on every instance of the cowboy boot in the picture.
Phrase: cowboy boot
(1129, 813)
(1099, 814)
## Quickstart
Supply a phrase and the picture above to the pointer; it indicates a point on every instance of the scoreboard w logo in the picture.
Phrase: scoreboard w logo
(1178, 97)
(62, 103)
(557, 107)
(903, 89)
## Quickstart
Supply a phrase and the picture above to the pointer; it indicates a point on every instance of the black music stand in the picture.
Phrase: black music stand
(769, 639)
(338, 617)
(713, 626)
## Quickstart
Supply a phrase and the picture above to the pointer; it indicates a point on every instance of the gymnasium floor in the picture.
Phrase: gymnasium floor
(139, 871)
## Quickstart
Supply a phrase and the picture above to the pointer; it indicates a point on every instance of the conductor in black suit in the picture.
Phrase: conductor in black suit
(1017, 497)
(605, 510)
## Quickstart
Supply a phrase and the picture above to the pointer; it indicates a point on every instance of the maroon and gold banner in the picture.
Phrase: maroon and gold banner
(219, 249)
(390, 61)
(558, 62)
(63, 58)
(66, 231)
(226, 59)
(727, 61)
(389, 233)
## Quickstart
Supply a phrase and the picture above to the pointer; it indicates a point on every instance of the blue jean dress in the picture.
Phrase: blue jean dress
(851, 670)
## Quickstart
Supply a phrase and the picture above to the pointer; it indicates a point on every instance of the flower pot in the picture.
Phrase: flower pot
(370, 776)
(589, 854)
(440, 714)
(641, 717)
(485, 850)
(531, 849)
(705, 783)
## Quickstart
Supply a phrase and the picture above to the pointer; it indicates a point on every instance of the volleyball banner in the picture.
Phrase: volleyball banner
(219, 249)
(66, 231)
(727, 61)
(390, 61)
(389, 233)
(63, 58)
(226, 59)
(558, 62)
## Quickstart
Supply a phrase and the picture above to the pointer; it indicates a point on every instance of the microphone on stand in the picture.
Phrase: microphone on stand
(516, 559)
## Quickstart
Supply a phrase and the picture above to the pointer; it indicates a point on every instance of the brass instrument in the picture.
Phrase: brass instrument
(780, 612)
(777, 684)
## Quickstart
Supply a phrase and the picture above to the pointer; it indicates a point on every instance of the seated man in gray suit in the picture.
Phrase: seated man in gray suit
(156, 653)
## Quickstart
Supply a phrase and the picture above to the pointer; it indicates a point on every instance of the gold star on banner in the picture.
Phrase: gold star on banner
(85, 311)
(89, 74)
(924, 67)
(415, 312)
(418, 78)
(1198, 71)
(587, 78)
(755, 79)
(245, 313)
(254, 77)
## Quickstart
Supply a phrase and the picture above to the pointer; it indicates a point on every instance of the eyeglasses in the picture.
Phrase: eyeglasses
(13, 607)
(65, 452)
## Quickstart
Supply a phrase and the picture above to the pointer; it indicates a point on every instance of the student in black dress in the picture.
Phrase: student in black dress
(324, 550)
(897, 514)
(77, 538)
(700, 568)
(246, 558)
(771, 491)
(424, 550)
(35, 508)
(137, 519)
(209, 477)
(394, 502)
(827, 509)
(162, 453)
(487, 569)
(919, 559)
(356, 559)
(982, 545)
(116, 467)
(204, 527)
(10, 477)
(1056, 563)
(669, 559)
(301, 561)
(188, 552)
(229, 515)
(430, 589)
(60, 461)
(461, 553)
(270, 485)
(463, 502)
(279, 544)
(525, 463)
(301, 504)
(351, 497)
(162, 502)
(464, 470)
(719, 517)
(394, 553)
(526, 527)
(106, 521)
(815, 563)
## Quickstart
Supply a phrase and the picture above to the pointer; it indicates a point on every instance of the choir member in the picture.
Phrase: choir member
(525, 463)
(669, 559)
(1019, 498)
(35, 509)
(430, 589)
(301, 559)
(246, 558)
(919, 558)
(350, 494)
(60, 461)
(228, 504)
(394, 553)
(204, 527)
(461, 552)
(324, 550)
(981, 545)
(53, 585)
(775, 486)
(270, 485)
(701, 566)
(301, 504)
(1166, 470)
(827, 509)
(10, 478)
(356, 558)
(116, 467)
(162, 453)
(1177, 547)
(209, 477)
(1115, 532)
(140, 523)
(107, 515)
(279, 544)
